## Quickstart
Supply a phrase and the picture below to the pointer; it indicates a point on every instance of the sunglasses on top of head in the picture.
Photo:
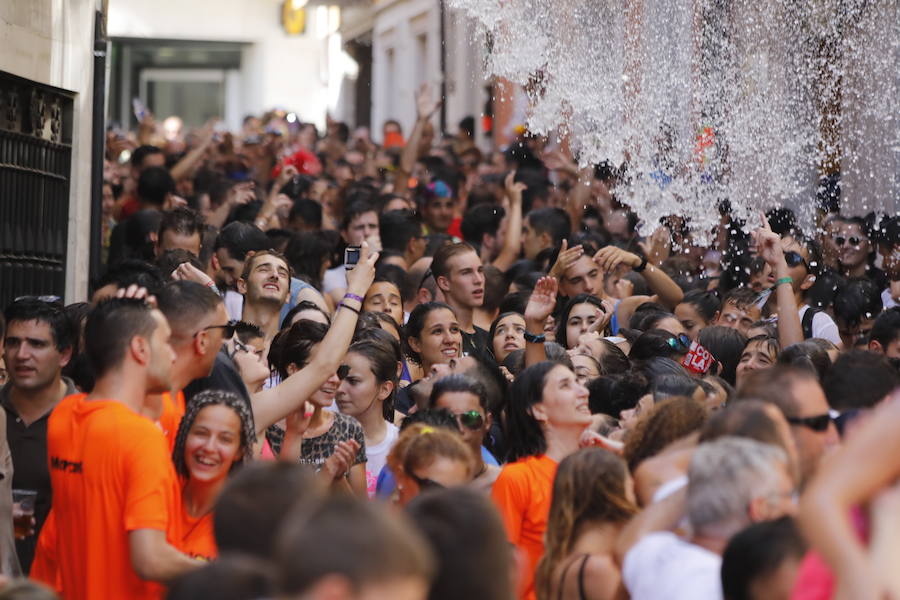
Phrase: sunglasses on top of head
(680, 342)
(227, 329)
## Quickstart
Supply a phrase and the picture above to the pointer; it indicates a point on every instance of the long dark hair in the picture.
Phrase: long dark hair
(415, 324)
(294, 345)
(524, 436)
(564, 315)
(382, 360)
(215, 398)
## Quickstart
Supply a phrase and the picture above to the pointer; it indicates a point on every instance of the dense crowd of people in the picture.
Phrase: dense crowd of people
(316, 366)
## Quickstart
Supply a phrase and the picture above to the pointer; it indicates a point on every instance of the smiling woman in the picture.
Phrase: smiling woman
(215, 437)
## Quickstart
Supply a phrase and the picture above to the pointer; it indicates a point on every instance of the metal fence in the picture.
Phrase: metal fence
(35, 167)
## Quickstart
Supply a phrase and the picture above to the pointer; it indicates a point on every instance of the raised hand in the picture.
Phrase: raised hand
(426, 106)
(542, 302)
(188, 272)
(513, 188)
(768, 243)
(610, 257)
(361, 276)
(566, 258)
(657, 247)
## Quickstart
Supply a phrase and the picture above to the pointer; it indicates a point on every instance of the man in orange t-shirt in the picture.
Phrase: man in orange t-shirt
(522, 494)
(113, 480)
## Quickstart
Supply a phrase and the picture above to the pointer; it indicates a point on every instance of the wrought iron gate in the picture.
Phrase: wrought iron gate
(35, 166)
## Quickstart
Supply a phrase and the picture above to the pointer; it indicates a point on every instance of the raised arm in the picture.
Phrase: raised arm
(512, 243)
(869, 461)
(272, 405)
(768, 246)
(184, 167)
(425, 108)
(669, 293)
(540, 306)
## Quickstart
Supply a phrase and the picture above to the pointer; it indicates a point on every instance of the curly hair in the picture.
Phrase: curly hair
(419, 445)
(590, 486)
(215, 398)
(666, 422)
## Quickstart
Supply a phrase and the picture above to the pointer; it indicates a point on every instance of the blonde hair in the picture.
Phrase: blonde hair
(589, 486)
(420, 445)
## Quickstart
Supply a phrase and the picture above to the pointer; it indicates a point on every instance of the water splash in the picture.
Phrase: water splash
(708, 100)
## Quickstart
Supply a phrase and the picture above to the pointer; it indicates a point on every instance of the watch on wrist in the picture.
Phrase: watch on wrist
(641, 266)
(535, 339)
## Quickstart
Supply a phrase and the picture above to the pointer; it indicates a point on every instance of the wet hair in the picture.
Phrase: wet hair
(251, 510)
(705, 302)
(824, 290)
(589, 487)
(306, 253)
(859, 299)
(110, 327)
(654, 342)
(294, 345)
(555, 222)
(859, 379)
(806, 355)
(382, 360)
(215, 398)
(129, 272)
(397, 227)
(230, 577)
(469, 541)
(458, 382)
(239, 238)
(757, 552)
(182, 221)
(154, 184)
(771, 345)
(771, 329)
(172, 258)
(54, 314)
(668, 386)
(300, 307)
(886, 328)
(741, 297)
(360, 542)
(665, 422)
(415, 324)
(726, 345)
(524, 436)
(561, 337)
(480, 220)
(185, 304)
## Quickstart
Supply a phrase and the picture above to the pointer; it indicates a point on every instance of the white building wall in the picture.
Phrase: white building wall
(407, 52)
(277, 69)
(51, 42)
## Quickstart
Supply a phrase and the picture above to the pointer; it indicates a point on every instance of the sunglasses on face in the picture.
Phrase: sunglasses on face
(854, 241)
(471, 419)
(227, 329)
(794, 259)
(681, 342)
(818, 423)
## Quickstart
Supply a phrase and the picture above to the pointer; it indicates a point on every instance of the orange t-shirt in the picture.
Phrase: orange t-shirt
(111, 474)
(170, 418)
(192, 535)
(522, 493)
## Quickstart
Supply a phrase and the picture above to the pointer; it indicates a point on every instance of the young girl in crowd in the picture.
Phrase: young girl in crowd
(546, 417)
(368, 379)
(432, 336)
(593, 498)
(581, 312)
(427, 457)
(313, 436)
(215, 437)
(507, 335)
(699, 309)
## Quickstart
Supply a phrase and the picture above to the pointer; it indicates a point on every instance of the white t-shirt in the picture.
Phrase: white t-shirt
(376, 456)
(335, 279)
(887, 300)
(662, 566)
(234, 305)
(823, 326)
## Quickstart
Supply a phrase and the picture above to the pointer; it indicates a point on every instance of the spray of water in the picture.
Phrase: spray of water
(748, 101)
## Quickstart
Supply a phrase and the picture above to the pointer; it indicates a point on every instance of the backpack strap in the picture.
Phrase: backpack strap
(807, 322)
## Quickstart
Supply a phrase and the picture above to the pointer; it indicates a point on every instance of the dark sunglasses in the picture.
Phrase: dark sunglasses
(426, 484)
(854, 241)
(794, 259)
(818, 423)
(680, 342)
(471, 419)
(227, 329)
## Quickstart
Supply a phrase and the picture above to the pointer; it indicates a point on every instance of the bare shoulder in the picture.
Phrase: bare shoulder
(602, 578)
